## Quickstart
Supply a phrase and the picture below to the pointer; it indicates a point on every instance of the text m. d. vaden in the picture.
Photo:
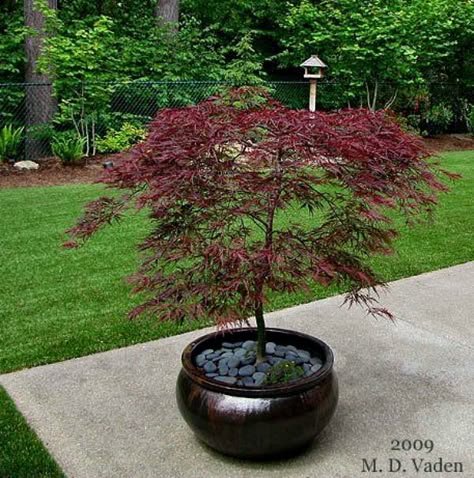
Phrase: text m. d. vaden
(410, 465)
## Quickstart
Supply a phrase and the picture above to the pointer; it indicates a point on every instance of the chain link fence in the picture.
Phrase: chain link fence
(96, 109)
(107, 106)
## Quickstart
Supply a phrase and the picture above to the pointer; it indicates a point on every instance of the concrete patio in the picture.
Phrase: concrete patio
(113, 414)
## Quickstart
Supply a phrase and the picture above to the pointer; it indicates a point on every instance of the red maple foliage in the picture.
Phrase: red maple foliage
(225, 187)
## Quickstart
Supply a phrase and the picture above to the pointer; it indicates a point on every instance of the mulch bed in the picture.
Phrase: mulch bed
(450, 142)
(52, 172)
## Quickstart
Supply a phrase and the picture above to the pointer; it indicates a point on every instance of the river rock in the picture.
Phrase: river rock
(259, 378)
(247, 370)
(270, 347)
(209, 367)
(228, 380)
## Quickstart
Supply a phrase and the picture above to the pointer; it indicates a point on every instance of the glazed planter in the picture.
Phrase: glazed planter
(261, 421)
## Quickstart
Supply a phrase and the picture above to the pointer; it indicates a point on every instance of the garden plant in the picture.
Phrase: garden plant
(217, 177)
(68, 147)
(10, 140)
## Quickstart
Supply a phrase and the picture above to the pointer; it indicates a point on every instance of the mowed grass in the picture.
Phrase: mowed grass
(57, 304)
(22, 455)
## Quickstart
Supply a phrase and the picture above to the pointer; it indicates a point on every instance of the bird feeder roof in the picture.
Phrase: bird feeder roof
(314, 61)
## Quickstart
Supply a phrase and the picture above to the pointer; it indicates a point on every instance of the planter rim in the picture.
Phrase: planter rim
(267, 391)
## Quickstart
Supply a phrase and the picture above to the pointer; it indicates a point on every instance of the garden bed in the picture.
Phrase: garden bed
(450, 142)
(53, 173)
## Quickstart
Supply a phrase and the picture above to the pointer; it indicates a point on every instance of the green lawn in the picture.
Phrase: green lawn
(57, 303)
(22, 455)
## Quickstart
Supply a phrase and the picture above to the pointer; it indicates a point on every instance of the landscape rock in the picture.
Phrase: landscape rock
(228, 380)
(248, 360)
(200, 359)
(233, 362)
(259, 378)
(229, 345)
(249, 345)
(210, 367)
(224, 370)
(263, 367)
(233, 372)
(315, 368)
(247, 370)
(26, 165)
(270, 347)
(304, 354)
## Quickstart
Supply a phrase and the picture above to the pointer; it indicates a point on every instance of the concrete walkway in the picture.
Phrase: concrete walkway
(113, 414)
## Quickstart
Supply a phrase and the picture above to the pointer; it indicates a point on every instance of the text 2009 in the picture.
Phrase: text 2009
(416, 445)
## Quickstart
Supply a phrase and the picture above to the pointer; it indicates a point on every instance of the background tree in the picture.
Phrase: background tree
(39, 102)
(382, 51)
(12, 53)
(167, 11)
(407, 55)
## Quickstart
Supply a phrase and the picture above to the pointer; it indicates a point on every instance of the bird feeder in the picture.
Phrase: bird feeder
(313, 69)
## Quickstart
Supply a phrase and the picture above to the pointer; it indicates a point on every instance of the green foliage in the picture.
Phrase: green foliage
(92, 60)
(470, 116)
(246, 97)
(438, 119)
(237, 18)
(430, 119)
(68, 147)
(13, 32)
(284, 372)
(245, 68)
(10, 140)
(22, 455)
(190, 54)
(412, 124)
(380, 50)
(80, 63)
(116, 141)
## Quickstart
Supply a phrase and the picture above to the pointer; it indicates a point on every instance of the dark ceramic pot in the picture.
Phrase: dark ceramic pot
(261, 421)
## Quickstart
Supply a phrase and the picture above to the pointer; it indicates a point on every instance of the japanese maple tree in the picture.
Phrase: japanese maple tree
(226, 184)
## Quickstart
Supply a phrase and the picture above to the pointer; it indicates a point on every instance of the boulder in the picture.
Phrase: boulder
(26, 165)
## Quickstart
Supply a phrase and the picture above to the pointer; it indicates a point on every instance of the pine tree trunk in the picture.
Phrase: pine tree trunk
(167, 11)
(39, 102)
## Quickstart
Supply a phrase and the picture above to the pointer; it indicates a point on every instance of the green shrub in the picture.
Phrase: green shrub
(470, 119)
(438, 119)
(10, 139)
(410, 123)
(284, 372)
(116, 141)
(68, 147)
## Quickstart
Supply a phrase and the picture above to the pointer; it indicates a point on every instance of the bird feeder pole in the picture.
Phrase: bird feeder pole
(313, 69)
(312, 95)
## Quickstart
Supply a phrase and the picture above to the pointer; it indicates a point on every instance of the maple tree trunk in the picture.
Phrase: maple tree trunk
(39, 102)
(167, 11)
(260, 331)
